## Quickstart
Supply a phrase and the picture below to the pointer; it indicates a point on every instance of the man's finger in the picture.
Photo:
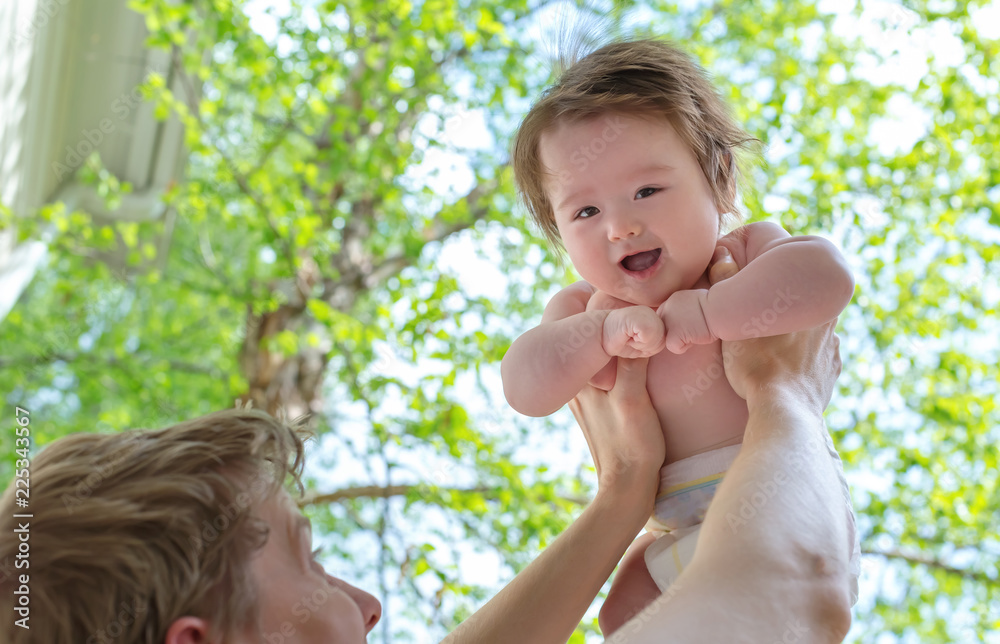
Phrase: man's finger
(723, 266)
(631, 372)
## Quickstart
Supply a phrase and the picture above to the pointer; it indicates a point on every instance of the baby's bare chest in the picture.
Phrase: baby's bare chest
(697, 407)
(687, 379)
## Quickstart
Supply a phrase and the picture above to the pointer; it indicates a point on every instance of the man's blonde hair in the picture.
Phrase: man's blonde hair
(132, 531)
(646, 78)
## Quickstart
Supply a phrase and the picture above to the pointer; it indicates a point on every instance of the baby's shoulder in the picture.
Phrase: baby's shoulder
(569, 301)
(747, 242)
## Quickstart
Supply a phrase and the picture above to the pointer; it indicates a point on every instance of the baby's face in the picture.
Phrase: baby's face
(632, 205)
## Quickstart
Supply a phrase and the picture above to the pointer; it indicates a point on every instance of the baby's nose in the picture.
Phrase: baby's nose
(622, 225)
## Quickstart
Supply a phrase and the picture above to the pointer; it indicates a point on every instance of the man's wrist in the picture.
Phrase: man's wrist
(777, 397)
(628, 508)
(630, 485)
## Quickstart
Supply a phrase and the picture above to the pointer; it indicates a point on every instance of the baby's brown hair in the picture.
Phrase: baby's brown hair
(647, 78)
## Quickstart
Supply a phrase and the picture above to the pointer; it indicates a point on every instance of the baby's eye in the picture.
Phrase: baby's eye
(646, 192)
(587, 212)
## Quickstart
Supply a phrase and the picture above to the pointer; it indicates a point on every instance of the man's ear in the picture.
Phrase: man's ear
(187, 630)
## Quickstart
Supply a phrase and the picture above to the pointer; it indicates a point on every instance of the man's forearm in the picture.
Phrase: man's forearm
(548, 365)
(785, 475)
(547, 600)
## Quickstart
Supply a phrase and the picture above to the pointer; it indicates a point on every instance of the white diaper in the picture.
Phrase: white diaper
(686, 490)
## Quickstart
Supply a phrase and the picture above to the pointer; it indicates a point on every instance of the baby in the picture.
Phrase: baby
(630, 161)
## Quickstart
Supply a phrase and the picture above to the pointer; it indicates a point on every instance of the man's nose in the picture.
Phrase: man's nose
(371, 608)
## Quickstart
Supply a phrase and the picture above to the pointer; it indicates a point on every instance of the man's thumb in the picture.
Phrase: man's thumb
(631, 372)
(723, 266)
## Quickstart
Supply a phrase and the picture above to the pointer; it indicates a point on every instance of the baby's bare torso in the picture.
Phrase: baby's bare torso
(698, 410)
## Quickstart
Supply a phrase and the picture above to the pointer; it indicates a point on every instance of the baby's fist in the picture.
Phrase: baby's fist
(633, 332)
(683, 316)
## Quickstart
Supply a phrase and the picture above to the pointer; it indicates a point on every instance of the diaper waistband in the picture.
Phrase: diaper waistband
(693, 472)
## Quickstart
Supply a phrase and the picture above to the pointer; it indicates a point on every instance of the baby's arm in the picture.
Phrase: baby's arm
(788, 284)
(548, 365)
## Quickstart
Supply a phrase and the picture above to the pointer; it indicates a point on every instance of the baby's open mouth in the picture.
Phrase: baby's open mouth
(641, 261)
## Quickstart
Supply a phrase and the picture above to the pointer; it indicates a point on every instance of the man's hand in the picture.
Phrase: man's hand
(807, 360)
(723, 265)
(683, 317)
(633, 332)
(623, 431)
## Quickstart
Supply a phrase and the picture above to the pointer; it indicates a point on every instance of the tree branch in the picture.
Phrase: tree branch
(244, 186)
(437, 230)
(175, 365)
(382, 492)
(973, 575)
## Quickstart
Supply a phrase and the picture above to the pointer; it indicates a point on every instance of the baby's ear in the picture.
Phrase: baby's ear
(725, 166)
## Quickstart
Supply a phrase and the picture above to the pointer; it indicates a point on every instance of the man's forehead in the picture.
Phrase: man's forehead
(293, 515)
(279, 508)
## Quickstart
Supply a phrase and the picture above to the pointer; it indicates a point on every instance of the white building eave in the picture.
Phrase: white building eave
(70, 72)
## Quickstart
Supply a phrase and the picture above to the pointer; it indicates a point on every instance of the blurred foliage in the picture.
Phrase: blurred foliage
(299, 265)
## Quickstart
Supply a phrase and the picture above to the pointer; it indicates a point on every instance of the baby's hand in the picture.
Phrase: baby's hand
(684, 319)
(633, 332)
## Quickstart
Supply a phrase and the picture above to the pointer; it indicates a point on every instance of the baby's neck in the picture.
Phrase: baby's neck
(702, 283)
